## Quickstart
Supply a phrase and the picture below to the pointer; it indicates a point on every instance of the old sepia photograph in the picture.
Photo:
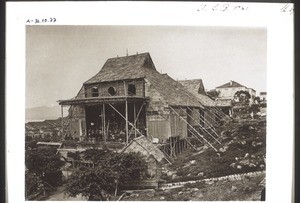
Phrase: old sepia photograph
(139, 113)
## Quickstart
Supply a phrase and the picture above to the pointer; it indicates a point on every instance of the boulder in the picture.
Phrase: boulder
(233, 188)
(239, 167)
(194, 189)
(201, 174)
(245, 162)
(170, 173)
(193, 161)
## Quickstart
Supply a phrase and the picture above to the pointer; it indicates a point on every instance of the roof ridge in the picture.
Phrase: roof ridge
(120, 57)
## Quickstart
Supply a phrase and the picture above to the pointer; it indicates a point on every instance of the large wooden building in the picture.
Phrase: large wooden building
(127, 98)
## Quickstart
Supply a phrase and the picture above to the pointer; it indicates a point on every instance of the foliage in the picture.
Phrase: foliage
(32, 184)
(96, 155)
(44, 162)
(31, 144)
(213, 94)
(113, 170)
(90, 182)
(75, 156)
(257, 99)
(242, 96)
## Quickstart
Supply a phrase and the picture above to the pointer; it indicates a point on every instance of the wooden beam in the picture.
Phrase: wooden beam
(134, 118)
(62, 121)
(126, 116)
(103, 121)
(123, 117)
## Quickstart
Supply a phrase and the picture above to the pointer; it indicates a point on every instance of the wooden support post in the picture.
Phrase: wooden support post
(126, 116)
(103, 121)
(134, 118)
(62, 121)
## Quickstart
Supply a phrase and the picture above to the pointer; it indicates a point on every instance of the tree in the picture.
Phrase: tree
(45, 163)
(257, 99)
(213, 94)
(90, 182)
(111, 172)
(33, 185)
(96, 155)
(126, 167)
(242, 96)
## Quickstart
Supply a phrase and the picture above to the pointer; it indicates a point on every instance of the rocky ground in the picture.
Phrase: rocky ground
(246, 189)
(243, 150)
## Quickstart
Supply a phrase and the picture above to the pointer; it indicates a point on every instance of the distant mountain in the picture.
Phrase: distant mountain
(43, 112)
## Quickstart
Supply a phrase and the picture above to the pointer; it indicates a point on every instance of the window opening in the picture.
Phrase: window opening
(95, 92)
(112, 91)
(131, 90)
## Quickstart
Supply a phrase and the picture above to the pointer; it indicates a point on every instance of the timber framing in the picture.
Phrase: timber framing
(102, 100)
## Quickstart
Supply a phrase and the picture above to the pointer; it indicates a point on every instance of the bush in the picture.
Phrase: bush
(33, 184)
(113, 170)
(45, 163)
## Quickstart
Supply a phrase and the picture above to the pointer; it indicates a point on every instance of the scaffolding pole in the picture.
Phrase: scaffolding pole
(202, 127)
(205, 122)
(134, 118)
(62, 121)
(103, 122)
(137, 117)
(194, 129)
(215, 113)
(124, 118)
(214, 119)
(221, 114)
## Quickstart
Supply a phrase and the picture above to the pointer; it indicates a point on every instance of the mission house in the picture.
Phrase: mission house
(128, 98)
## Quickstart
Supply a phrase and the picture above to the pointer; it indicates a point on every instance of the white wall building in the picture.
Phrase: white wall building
(228, 90)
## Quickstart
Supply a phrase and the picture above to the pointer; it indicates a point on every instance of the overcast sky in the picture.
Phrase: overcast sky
(60, 58)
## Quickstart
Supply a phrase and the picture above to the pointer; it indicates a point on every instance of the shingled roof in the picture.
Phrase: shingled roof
(174, 93)
(196, 87)
(231, 84)
(141, 66)
(121, 68)
(148, 146)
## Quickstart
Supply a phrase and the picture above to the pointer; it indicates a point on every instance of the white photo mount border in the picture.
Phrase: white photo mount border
(277, 18)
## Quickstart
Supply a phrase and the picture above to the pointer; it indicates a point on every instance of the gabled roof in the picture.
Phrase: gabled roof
(194, 86)
(147, 145)
(141, 66)
(231, 84)
(205, 100)
(172, 91)
(122, 68)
